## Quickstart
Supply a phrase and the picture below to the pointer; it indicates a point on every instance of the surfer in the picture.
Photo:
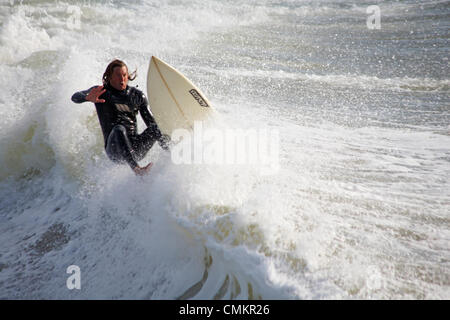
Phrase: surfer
(117, 105)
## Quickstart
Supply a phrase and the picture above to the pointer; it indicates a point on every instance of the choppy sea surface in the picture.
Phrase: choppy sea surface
(358, 208)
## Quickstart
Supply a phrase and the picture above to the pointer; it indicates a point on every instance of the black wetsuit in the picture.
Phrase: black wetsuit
(117, 116)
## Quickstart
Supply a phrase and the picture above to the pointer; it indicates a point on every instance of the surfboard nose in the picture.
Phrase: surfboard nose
(176, 103)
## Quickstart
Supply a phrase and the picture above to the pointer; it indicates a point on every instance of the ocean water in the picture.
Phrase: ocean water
(358, 208)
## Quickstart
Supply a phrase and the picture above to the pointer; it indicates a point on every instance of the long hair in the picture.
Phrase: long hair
(110, 68)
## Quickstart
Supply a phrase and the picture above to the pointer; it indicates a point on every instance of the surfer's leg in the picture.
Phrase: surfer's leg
(119, 147)
(144, 142)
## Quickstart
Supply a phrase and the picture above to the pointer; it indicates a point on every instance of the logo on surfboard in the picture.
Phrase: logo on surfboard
(199, 98)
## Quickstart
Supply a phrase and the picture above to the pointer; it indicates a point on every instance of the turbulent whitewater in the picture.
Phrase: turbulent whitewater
(358, 208)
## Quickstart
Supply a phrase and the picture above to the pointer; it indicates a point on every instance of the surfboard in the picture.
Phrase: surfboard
(174, 100)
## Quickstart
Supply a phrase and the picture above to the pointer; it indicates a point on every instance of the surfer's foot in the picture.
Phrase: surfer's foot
(142, 171)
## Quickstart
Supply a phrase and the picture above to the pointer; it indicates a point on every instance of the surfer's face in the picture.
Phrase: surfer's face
(119, 78)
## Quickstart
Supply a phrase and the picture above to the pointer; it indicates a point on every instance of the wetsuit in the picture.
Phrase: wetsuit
(117, 116)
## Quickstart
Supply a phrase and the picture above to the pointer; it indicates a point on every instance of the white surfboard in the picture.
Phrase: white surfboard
(174, 100)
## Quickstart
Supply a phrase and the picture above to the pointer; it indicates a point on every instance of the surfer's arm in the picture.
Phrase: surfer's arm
(149, 120)
(146, 115)
(91, 94)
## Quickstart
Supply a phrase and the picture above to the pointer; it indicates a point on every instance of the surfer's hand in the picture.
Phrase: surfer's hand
(164, 141)
(96, 92)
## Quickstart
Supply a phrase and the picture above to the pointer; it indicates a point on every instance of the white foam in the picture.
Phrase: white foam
(352, 212)
(19, 37)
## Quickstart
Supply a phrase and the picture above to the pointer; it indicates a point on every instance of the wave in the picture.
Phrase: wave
(349, 213)
(347, 80)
